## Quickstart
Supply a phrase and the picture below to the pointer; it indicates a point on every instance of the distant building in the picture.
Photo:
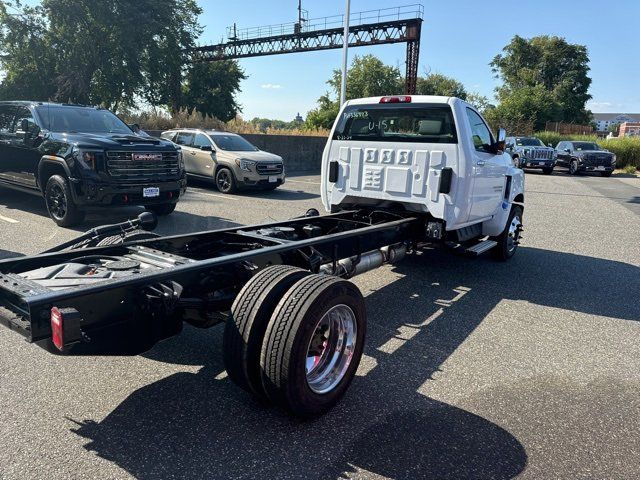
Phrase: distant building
(605, 120)
(298, 118)
(629, 129)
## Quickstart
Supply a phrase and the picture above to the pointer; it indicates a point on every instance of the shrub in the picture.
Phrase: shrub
(630, 169)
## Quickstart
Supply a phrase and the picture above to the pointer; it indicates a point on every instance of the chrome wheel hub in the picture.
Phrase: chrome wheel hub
(331, 349)
(513, 238)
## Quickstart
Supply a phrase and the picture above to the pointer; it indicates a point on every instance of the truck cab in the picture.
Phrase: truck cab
(429, 154)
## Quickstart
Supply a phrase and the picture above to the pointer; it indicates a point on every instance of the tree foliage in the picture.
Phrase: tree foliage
(545, 78)
(367, 77)
(113, 54)
(438, 84)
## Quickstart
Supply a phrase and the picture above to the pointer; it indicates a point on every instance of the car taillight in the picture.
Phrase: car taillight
(398, 99)
(57, 328)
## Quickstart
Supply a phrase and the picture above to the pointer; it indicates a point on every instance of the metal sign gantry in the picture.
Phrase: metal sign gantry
(374, 27)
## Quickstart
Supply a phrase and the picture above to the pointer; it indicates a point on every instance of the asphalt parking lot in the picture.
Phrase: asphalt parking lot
(473, 368)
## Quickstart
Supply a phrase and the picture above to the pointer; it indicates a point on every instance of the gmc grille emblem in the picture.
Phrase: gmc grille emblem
(146, 157)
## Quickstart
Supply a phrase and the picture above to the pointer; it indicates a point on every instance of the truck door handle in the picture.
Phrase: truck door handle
(480, 163)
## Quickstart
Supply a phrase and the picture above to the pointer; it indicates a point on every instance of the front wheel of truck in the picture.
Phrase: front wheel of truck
(509, 239)
(162, 210)
(60, 205)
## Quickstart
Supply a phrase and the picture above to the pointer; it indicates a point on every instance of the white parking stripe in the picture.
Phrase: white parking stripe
(8, 220)
(301, 181)
(200, 192)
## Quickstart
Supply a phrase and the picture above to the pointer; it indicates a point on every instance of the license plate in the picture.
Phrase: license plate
(151, 192)
(273, 179)
(601, 167)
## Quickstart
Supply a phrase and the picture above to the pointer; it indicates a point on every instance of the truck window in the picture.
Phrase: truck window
(23, 113)
(391, 123)
(6, 118)
(480, 133)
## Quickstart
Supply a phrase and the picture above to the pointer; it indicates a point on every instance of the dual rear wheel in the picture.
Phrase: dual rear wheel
(295, 339)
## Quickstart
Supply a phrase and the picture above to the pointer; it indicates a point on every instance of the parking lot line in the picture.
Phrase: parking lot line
(302, 181)
(8, 220)
(200, 192)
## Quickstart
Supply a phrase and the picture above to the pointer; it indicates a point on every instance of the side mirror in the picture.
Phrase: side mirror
(206, 148)
(501, 137)
(135, 127)
(567, 150)
(24, 125)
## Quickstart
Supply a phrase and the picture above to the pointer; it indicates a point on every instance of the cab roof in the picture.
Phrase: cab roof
(414, 99)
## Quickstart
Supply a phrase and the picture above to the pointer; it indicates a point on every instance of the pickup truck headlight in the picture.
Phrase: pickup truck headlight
(613, 159)
(245, 165)
(86, 158)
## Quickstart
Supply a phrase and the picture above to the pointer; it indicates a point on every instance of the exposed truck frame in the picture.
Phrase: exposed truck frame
(294, 325)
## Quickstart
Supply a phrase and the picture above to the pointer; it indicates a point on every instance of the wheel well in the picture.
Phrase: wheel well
(46, 171)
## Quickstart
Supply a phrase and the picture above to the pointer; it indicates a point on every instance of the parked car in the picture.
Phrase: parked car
(227, 159)
(585, 157)
(79, 157)
(530, 152)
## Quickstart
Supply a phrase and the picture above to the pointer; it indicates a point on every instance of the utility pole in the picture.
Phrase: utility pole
(345, 49)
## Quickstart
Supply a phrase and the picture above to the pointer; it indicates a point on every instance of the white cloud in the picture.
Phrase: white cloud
(271, 86)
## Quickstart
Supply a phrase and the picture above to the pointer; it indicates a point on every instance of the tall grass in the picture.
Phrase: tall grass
(161, 121)
(627, 149)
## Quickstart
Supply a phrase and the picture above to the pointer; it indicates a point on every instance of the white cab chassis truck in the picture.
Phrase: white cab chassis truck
(398, 172)
(431, 155)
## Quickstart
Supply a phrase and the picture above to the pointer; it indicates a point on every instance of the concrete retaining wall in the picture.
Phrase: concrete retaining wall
(300, 154)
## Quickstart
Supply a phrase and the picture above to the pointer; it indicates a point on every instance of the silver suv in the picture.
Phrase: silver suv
(228, 159)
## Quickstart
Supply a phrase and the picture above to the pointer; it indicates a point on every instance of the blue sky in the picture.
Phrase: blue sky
(459, 39)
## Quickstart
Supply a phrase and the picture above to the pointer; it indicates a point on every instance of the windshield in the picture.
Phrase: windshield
(233, 143)
(580, 146)
(391, 123)
(529, 142)
(57, 118)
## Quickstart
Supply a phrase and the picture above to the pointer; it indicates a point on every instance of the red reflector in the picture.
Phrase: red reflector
(170, 194)
(400, 99)
(125, 198)
(57, 328)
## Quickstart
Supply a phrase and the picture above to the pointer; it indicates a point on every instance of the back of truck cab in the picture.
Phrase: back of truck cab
(386, 151)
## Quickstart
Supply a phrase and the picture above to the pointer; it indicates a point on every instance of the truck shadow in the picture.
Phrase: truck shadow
(198, 425)
(281, 193)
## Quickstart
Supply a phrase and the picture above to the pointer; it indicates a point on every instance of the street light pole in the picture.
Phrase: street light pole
(345, 47)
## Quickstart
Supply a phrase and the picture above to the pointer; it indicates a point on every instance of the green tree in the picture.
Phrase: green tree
(550, 63)
(438, 84)
(210, 88)
(113, 54)
(367, 77)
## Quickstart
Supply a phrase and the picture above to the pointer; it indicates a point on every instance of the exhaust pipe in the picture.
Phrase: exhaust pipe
(352, 266)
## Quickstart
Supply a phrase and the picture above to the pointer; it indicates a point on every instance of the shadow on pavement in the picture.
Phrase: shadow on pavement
(198, 425)
(9, 254)
(280, 193)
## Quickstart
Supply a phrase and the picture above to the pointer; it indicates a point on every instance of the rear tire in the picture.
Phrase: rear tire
(244, 330)
(162, 210)
(313, 345)
(547, 171)
(60, 204)
(509, 238)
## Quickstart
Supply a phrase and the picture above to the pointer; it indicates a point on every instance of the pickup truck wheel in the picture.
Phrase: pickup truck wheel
(250, 315)
(225, 181)
(313, 345)
(60, 204)
(573, 167)
(162, 210)
(508, 240)
(547, 171)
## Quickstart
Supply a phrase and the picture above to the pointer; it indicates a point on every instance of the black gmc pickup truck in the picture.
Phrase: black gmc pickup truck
(79, 157)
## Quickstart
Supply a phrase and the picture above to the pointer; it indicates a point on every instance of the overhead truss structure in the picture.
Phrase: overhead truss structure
(398, 25)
